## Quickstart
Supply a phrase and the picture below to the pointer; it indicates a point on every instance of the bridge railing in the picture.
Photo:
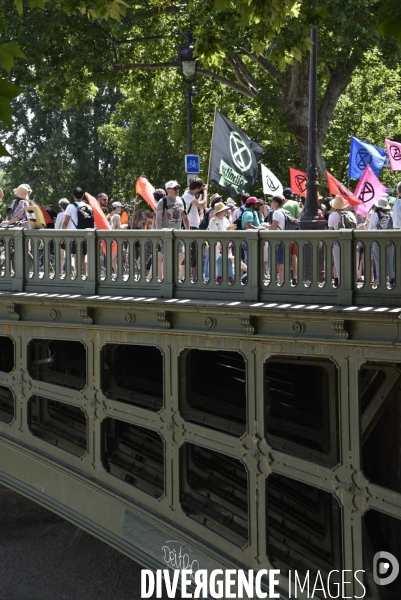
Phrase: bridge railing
(326, 267)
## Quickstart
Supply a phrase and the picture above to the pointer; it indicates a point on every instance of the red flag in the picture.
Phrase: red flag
(337, 188)
(298, 182)
(146, 189)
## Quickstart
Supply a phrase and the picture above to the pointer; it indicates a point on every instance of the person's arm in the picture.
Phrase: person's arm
(66, 221)
(200, 203)
(159, 216)
(186, 221)
(273, 226)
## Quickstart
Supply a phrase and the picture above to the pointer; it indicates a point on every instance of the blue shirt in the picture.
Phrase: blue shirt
(250, 216)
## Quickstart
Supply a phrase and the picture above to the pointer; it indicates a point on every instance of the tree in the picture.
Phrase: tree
(73, 49)
(56, 150)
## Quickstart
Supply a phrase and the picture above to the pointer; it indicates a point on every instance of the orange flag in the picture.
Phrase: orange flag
(101, 221)
(146, 189)
(337, 188)
(298, 182)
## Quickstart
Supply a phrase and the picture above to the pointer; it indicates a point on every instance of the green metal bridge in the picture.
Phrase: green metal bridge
(196, 425)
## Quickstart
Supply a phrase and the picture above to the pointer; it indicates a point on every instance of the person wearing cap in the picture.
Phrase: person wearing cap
(71, 222)
(219, 222)
(290, 204)
(250, 216)
(115, 216)
(16, 209)
(397, 209)
(278, 223)
(381, 219)
(171, 214)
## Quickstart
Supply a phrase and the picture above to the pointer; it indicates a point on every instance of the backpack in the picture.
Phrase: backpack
(204, 224)
(347, 220)
(385, 221)
(290, 222)
(85, 217)
(238, 222)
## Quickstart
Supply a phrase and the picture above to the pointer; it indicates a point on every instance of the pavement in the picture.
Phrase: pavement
(44, 557)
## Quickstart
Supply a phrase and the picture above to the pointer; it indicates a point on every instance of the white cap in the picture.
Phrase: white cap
(116, 204)
(172, 184)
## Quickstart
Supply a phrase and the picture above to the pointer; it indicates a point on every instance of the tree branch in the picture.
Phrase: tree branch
(245, 91)
(147, 66)
(244, 76)
(263, 62)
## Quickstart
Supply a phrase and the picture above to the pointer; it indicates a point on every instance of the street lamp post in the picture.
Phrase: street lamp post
(311, 219)
(188, 70)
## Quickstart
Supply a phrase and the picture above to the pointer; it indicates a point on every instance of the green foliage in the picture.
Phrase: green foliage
(56, 150)
(368, 110)
(390, 19)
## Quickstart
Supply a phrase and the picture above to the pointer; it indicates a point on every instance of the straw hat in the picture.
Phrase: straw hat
(338, 203)
(219, 207)
(22, 191)
(214, 197)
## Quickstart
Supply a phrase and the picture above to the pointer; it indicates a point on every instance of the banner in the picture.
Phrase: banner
(298, 182)
(337, 188)
(146, 189)
(234, 157)
(368, 190)
(271, 185)
(394, 154)
(362, 154)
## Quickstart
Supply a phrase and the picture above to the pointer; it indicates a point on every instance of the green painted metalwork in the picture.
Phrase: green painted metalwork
(140, 460)
(30, 261)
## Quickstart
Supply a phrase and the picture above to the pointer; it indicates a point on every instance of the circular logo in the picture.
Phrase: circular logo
(240, 152)
(271, 185)
(343, 191)
(367, 192)
(362, 159)
(395, 153)
(300, 181)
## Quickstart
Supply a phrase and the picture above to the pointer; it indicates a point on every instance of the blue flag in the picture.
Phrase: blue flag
(362, 154)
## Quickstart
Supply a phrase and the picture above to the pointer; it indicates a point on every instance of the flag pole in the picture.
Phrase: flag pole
(210, 155)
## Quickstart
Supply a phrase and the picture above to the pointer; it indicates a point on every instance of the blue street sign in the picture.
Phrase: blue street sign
(192, 163)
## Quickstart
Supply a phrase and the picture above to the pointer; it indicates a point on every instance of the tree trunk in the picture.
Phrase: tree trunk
(295, 108)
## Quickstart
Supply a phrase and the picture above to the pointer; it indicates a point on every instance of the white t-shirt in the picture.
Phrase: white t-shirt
(216, 224)
(397, 214)
(72, 212)
(374, 219)
(60, 220)
(193, 213)
(278, 216)
(334, 219)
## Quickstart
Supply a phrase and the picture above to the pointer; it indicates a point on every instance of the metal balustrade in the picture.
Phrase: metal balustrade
(228, 265)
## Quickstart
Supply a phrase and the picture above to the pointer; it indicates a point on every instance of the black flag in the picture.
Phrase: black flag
(234, 157)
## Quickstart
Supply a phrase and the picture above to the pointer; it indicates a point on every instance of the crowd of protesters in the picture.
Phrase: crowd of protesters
(195, 211)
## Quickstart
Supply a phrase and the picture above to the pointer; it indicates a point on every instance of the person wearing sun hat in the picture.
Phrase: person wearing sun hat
(337, 204)
(219, 222)
(16, 209)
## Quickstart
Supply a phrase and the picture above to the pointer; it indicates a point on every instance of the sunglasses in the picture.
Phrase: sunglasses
(177, 188)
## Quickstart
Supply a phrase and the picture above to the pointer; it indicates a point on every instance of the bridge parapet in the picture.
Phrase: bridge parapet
(176, 264)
